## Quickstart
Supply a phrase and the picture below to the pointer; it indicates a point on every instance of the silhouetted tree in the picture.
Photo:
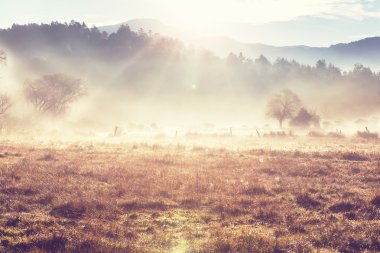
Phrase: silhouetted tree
(361, 74)
(282, 67)
(262, 64)
(283, 105)
(54, 93)
(5, 104)
(321, 65)
(263, 61)
(232, 59)
(3, 56)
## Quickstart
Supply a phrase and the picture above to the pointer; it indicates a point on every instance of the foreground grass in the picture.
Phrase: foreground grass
(152, 198)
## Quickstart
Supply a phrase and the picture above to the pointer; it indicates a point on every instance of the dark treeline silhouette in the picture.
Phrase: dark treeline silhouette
(150, 63)
(75, 39)
(71, 38)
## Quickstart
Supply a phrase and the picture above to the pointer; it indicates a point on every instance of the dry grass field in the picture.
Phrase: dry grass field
(303, 195)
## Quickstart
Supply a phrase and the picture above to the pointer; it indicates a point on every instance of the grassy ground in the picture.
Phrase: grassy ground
(139, 197)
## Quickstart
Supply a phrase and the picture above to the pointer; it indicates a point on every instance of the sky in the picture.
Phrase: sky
(358, 18)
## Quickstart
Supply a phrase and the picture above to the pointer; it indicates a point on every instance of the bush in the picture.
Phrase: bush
(308, 202)
(70, 210)
(353, 156)
(305, 119)
(335, 135)
(376, 201)
(315, 134)
(367, 135)
(342, 207)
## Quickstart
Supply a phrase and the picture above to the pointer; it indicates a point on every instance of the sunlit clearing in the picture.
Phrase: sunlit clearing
(181, 247)
(138, 138)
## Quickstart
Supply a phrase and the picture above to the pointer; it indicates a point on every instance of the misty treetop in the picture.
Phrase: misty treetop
(5, 104)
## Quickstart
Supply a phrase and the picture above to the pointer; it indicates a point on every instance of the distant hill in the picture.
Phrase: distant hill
(369, 47)
(148, 25)
(344, 55)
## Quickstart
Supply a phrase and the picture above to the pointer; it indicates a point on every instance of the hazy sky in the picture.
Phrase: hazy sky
(205, 16)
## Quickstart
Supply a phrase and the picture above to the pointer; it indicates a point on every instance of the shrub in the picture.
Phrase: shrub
(315, 134)
(376, 201)
(342, 207)
(70, 210)
(367, 135)
(256, 190)
(308, 202)
(354, 156)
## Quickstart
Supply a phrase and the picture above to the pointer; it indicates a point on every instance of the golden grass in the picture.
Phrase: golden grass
(139, 197)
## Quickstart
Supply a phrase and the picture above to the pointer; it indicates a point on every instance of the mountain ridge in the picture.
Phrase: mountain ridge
(345, 55)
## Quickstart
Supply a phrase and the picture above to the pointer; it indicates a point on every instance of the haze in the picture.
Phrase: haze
(286, 22)
(203, 126)
(194, 62)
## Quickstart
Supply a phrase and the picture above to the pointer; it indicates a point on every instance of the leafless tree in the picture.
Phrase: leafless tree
(283, 105)
(5, 104)
(54, 93)
(3, 56)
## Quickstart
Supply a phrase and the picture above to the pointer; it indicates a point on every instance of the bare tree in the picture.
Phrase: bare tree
(3, 56)
(5, 104)
(54, 93)
(283, 105)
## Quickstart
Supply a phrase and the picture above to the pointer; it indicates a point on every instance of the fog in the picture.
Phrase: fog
(148, 81)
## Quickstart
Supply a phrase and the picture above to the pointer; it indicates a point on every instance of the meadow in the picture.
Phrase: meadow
(190, 194)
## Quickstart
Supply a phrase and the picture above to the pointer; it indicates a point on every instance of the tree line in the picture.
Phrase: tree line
(76, 39)
(177, 66)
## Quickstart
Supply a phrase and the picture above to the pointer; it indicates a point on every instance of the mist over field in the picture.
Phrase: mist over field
(146, 78)
(195, 127)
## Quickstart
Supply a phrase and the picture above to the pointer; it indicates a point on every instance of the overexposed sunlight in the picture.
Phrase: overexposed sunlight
(181, 247)
(212, 16)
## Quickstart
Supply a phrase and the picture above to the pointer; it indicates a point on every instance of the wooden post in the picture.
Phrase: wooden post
(116, 131)
(258, 133)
